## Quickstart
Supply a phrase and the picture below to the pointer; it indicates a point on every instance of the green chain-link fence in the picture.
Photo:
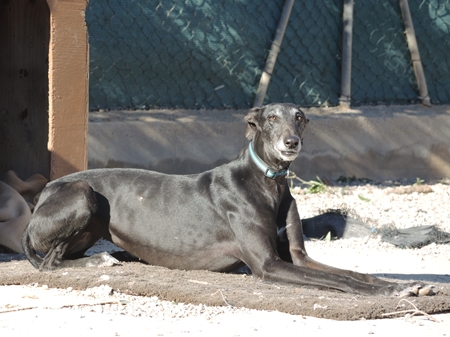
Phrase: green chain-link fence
(382, 69)
(210, 54)
(432, 26)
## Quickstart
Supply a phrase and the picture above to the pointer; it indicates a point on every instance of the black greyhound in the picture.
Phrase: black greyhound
(217, 220)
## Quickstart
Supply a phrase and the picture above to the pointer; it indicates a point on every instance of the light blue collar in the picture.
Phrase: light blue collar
(268, 172)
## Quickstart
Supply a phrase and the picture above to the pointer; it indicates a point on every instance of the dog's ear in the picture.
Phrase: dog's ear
(252, 120)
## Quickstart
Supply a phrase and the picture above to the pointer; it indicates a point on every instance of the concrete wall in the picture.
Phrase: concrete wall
(379, 143)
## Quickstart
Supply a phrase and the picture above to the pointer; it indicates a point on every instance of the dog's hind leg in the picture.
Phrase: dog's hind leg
(57, 257)
(64, 225)
(103, 259)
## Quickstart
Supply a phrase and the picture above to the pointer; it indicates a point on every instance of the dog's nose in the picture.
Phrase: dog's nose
(291, 142)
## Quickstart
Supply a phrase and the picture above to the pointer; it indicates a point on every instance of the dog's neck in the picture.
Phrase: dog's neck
(268, 171)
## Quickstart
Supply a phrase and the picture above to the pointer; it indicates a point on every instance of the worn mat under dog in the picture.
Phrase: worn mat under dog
(218, 289)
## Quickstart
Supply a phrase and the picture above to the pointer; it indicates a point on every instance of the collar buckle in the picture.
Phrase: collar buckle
(268, 171)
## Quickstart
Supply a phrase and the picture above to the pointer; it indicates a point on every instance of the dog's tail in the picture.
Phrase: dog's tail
(29, 250)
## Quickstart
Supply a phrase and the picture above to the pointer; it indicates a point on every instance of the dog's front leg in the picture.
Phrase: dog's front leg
(300, 257)
(294, 232)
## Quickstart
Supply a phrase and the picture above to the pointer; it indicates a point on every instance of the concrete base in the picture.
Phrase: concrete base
(379, 143)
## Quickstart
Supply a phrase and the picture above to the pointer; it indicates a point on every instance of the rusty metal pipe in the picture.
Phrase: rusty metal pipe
(414, 50)
(273, 53)
(346, 63)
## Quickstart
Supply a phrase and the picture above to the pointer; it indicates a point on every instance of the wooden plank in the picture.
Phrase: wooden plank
(24, 41)
(68, 94)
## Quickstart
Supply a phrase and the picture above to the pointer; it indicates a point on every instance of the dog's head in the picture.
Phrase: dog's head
(279, 126)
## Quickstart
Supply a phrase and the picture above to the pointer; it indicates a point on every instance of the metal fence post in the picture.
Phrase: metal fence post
(273, 53)
(414, 50)
(346, 64)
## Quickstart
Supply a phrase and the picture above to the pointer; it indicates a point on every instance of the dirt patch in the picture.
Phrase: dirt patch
(411, 189)
(218, 289)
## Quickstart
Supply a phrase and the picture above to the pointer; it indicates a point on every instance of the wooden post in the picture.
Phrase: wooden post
(68, 87)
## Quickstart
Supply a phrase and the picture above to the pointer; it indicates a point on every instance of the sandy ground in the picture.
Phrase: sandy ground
(50, 320)
(39, 310)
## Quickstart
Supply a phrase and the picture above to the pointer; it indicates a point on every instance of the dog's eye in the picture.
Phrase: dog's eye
(299, 117)
(272, 117)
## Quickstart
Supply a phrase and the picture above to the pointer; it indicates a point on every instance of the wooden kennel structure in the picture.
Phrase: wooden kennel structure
(44, 73)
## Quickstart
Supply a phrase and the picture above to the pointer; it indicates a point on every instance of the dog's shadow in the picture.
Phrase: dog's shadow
(7, 255)
(428, 278)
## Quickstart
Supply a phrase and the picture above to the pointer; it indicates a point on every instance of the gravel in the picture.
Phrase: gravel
(383, 204)
(113, 302)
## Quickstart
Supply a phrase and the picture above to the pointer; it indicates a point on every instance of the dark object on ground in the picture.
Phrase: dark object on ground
(339, 225)
(413, 237)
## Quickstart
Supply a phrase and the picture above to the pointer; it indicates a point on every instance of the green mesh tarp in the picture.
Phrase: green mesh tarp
(210, 54)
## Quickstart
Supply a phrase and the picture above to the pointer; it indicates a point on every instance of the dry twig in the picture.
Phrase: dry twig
(413, 312)
(223, 297)
(2, 311)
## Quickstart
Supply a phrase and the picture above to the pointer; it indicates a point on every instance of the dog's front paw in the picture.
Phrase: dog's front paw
(415, 289)
(427, 290)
